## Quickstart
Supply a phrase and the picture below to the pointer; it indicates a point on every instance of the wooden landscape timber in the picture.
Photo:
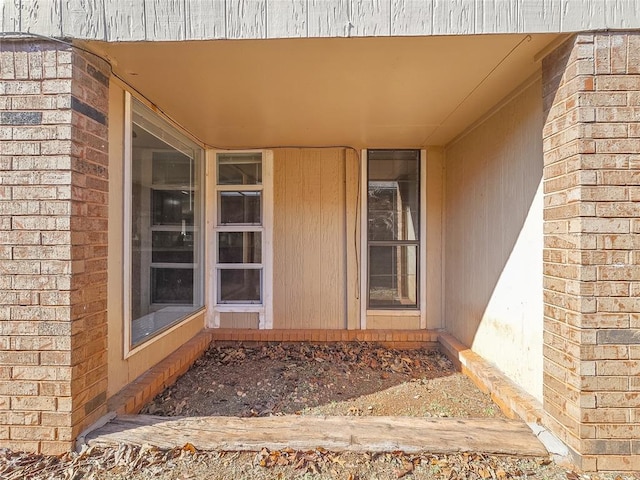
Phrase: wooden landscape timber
(354, 434)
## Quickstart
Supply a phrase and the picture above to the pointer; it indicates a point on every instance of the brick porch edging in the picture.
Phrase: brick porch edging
(512, 400)
(398, 339)
(138, 393)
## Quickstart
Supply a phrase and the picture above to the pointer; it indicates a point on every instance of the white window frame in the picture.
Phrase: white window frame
(264, 309)
(128, 349)
(364, 250)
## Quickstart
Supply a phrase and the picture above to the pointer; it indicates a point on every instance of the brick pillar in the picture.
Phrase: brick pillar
(53, 244)
(591, 256)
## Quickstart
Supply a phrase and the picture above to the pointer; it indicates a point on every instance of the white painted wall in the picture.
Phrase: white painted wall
(494, 239)
(128, 20)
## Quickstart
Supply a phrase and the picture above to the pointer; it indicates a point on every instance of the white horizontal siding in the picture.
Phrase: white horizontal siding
(122, 20)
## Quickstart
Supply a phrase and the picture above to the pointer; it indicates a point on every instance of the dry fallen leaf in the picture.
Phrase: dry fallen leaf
(188, 447)
(407, 468)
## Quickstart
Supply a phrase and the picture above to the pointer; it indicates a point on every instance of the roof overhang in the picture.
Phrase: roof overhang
(362, 92)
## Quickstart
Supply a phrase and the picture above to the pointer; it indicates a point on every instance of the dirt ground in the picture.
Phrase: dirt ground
(331, 379)
(336, 379)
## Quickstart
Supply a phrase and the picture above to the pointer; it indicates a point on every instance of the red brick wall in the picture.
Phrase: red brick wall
(53, 228)
(591, 257)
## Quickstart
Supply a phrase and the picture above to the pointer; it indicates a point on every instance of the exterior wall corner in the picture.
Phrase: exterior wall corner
(591, 176)
(53, 198)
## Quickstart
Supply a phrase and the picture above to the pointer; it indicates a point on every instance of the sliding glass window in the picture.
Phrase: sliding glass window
(393, 232)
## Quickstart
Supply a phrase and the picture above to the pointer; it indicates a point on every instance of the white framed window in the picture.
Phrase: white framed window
(393, 233)
(163, 225)
(240, 256)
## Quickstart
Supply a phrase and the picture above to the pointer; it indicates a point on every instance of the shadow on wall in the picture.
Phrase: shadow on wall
(494, 238)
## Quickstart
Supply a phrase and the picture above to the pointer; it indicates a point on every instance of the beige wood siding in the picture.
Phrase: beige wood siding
(493, 238)
(309, 275)
(435, 157)
(393, 322)
(239, 320)
(352, 235)
(122, 370)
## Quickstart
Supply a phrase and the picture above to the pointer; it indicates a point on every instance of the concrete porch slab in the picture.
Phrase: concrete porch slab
(355, 434)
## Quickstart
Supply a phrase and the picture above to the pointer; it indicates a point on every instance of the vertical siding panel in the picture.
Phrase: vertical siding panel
(583, 15)
(204, 19)
(492, 253)
(371, 18)
(286, 18)
(10, 15)
(433, 203)
(279, 239)
(455, 290)
(328, 19)
(311, 246)
(494, 16)
(294, 248)
(622, 14)
(352, 238)
(165, 19)
(246, 18)
(84, 19)
(42, 16)
(332, 240)
(500, 200)
(124, 20)
(397, 322)
(239, 320)
(411, 17)
(309, 278)
(453, 17)
(541, 16)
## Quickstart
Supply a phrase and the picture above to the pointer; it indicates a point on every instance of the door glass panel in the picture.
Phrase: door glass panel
(240, 286)
(393, 195)
(240, 208)
(393, 280)
(239, 247)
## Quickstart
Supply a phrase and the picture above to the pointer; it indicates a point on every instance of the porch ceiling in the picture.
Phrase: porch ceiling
(364, 92)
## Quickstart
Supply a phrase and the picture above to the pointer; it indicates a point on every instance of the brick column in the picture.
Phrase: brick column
(591, 256)
(53, 244)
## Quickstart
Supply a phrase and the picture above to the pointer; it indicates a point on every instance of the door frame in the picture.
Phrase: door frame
(364, 250)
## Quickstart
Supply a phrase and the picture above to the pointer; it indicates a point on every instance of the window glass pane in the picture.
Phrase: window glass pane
(242, 208)
(172, 247)
(239, 168)
(172, 207)
(393, 195)
(240, 286)
(393, 276)
(172, 285)
(172, 168)
(165, 227)
(239, 247)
